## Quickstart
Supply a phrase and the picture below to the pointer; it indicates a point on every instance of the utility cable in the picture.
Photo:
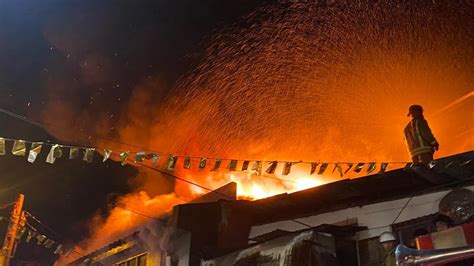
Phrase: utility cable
(141, 148)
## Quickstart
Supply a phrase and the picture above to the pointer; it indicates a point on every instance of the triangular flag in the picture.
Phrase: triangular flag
(172, 160)
(257, 167)
(245, 165)
(140, 156)
(313, 168)
(20, 233)
(287, 168)
(339, 169)
(371, 167)
(154, 159)
(271, 169)
(202, 164)
(40, 239)
(29, 235)
(107, 154)
(58, 152)
(232, 166)
(73, 153)
(2, 146)
(34, 151)
(48, 243)
(19, 148)
(349, 167)
(432, 164)
(217, 164)
(59, 249)
(383, 167)
(51, 158)
(187, 163)
(322, 168)
(123, 157)
(359, 167)
(88, 155)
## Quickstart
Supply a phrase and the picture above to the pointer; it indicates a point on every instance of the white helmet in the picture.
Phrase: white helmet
(386, 236)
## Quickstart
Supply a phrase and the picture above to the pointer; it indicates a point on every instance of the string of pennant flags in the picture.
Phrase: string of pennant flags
(27, 232)
(57, 151)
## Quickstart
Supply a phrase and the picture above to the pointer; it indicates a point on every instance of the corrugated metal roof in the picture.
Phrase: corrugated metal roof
(396, 184)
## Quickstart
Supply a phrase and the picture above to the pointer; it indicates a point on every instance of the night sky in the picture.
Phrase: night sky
(89, 54)
(258, 78)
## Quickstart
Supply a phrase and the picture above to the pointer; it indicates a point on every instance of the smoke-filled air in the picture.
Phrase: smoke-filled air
(329, 81)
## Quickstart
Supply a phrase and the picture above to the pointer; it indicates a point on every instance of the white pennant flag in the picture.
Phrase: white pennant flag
(34, 151)
(154, 159)
(88, 155)
(107, 154)
(51, 158)
(2, 146)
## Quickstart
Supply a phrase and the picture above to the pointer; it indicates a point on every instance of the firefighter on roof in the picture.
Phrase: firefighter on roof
(420, 140)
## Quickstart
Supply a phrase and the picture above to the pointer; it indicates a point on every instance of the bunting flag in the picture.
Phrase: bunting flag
(20, 233)
(313, 168)
(48, 243)
(19, 148)
(29, 235)
(88, 155)
(271, 169)
(2, 146)
(257, 167)
(202, 164)
(59, 249)
(287, 168)
(217, 164)
(322, 168)
(339, 169)
(123, 157)
(232, 166)
(245, 165)
(40, 239)
(349, 167)
(432, 164)
(73, 153)
(359, 167)
(172, 160)
(58, 152)
(34, 151)
(371, 167)
(154, 159)
(140, 156)
(187, 163)
(53, 154)
(107, 154)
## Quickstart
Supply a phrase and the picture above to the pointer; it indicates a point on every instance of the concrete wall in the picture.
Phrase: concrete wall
(377, 217)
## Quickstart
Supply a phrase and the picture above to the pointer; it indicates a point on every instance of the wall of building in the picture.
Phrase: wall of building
(377, 217)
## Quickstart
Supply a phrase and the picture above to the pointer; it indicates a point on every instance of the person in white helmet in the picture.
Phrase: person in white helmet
(388, 241)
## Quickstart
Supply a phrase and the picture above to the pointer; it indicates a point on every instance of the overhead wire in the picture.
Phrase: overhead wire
(141, 148)
(146, 166)
(177, 177)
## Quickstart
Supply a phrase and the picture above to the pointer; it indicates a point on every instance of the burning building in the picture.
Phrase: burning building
(333, 224)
